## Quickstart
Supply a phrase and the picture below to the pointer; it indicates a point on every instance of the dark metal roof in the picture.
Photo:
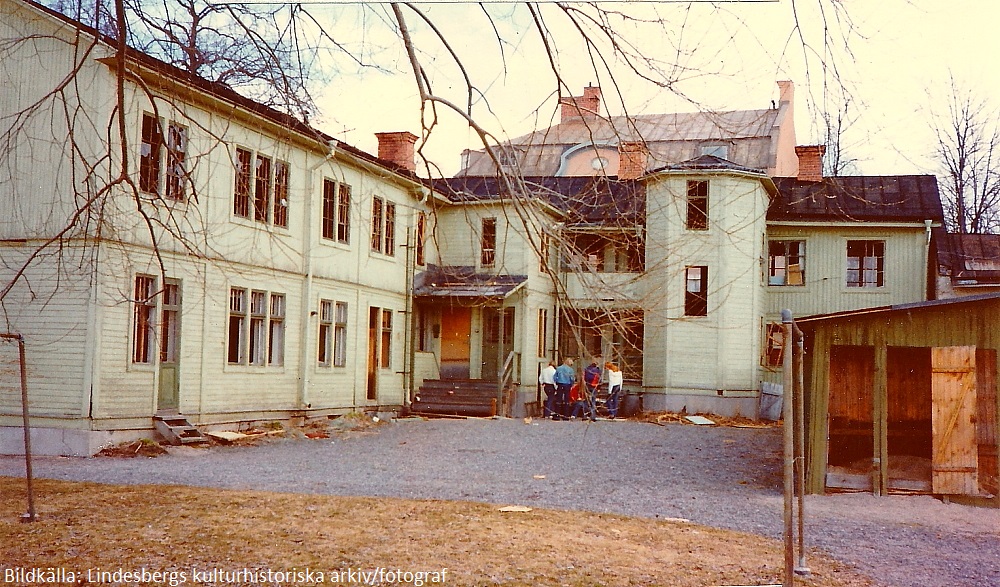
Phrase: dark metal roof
(968, 259)
(589, 200)
(900, 198)
(464, 282)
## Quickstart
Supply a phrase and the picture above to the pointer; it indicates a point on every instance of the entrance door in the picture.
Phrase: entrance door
(456, 331)
(167, 398)
(498, 340)
(371, 388)
(955, 459)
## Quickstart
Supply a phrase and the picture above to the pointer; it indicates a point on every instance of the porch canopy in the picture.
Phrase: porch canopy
(463, 283)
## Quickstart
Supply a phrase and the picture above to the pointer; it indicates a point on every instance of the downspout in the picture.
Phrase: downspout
(932, 272)
(306, 313)
(411, 317)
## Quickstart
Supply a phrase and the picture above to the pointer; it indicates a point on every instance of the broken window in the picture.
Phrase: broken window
(696, 291)
(697, 205)
(786, 262)
(488, 242)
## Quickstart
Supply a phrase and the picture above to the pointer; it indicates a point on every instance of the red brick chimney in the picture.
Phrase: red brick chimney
(633, 156)
(810, 162)
(587, 107)
(397, 147)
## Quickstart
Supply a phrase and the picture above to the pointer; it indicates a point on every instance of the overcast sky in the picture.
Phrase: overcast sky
(893, 56)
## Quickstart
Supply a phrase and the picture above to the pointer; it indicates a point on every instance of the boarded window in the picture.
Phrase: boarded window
(786, 262)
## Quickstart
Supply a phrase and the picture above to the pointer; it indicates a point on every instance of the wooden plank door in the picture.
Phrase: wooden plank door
(456, 346)
(955, 460)
(168, 395)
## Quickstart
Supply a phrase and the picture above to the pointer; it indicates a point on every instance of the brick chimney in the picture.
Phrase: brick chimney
(397, 147)
(633, 156)
(587, 107)
(810, 162)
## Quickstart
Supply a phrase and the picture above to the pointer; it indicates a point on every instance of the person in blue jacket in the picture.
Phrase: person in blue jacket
(565, 377)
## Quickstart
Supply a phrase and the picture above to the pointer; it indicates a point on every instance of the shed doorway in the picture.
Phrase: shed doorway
(851, 433)
(909, 429)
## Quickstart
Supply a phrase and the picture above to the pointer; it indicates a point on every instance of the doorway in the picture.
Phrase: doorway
(168, 394)
(456, 334)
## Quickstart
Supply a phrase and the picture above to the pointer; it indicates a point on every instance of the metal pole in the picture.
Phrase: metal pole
(800, 418)
(30, 515)
(788, 382)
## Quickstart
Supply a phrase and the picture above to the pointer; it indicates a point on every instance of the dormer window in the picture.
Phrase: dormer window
(720, 151)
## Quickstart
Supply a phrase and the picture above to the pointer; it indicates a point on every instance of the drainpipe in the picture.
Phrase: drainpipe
(411, 319)
(306, 312)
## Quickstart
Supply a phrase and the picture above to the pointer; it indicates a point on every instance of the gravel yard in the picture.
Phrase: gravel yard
(716, 476)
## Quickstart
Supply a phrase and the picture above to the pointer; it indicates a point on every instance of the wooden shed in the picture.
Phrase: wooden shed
(903, 399)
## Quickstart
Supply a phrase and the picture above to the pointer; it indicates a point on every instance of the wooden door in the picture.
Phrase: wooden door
(456, 332)
(167, 397)
(955, 460)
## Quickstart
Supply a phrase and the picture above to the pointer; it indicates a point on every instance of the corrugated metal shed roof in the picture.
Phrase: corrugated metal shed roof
(463, 282)
(906, 198)
(949, 302)
(969, 259)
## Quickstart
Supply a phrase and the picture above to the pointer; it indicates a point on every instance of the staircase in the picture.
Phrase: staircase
(460, 397)
(177, 430)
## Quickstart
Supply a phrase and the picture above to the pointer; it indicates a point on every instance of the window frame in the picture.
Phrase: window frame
(421, 253)
(261, 187)
(276, 330)
(324, 340)
(780, 276)
(378, 218)
(488, 242)
(144, 303)
(696, 300)
(236, 326)
(385, 339)
(340, 334)
(877, 249)
(697, 216)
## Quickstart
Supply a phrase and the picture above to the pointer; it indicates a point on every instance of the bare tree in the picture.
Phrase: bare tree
(968, 149)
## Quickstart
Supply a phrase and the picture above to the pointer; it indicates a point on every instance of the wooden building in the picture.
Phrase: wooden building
(904, 399)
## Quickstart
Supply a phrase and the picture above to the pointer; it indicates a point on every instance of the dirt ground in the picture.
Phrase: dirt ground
(186, 533)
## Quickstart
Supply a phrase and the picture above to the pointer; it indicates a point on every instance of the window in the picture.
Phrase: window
(697, 205)
(378, 209)
(774, 344)
(390, 229)
(152, 151)
(488, 242)
(865, 263)
(329, 221)
(170, 322)
(256, 330)
(262, 189)
(176, 154)
(262, 182)
(281, 194)
(276, 331)
(696, 291)
(325, 331)
(237, 321)
(340, 335)
(241, 198)
(144, 324)
(421, 235)
(543, 252)
(720, 151)
(386, 350)
(786, 263)
(543, 330)
(344, 214)
(258, 315)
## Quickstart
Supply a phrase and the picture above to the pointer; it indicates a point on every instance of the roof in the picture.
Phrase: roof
(669, 138)
(464, 282)
(709, 163)
(927, 304)
(899, 198)
(969, 259)
(223, 92)
(582, 199)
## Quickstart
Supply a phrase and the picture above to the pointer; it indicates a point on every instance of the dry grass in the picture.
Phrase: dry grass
(84, 526)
